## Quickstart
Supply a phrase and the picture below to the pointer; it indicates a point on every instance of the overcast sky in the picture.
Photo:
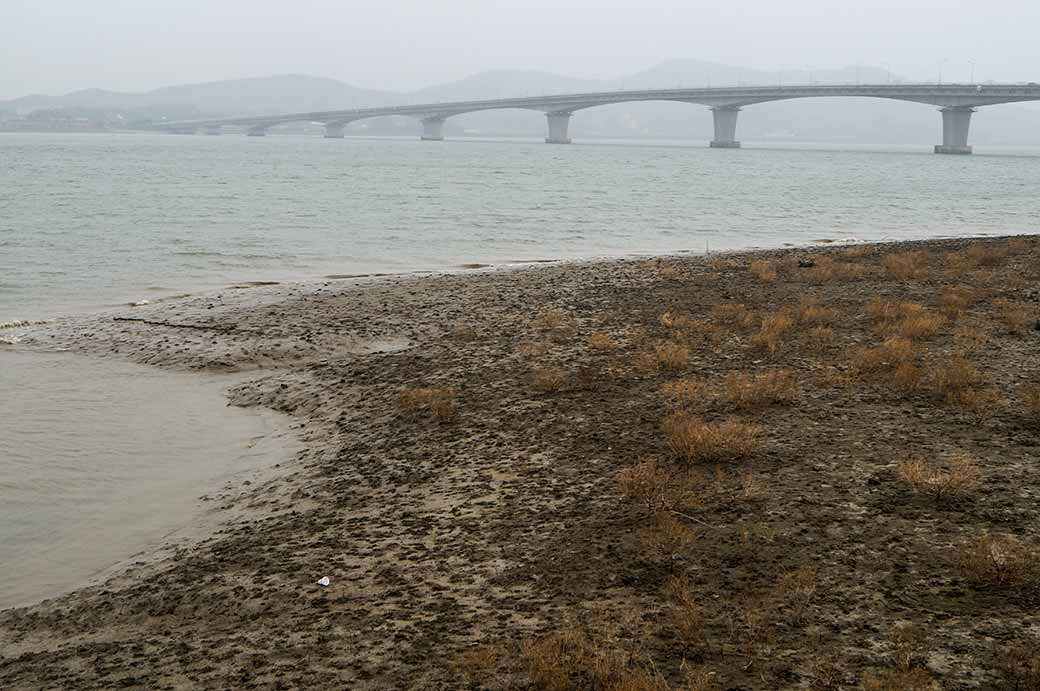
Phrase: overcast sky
(56, 46)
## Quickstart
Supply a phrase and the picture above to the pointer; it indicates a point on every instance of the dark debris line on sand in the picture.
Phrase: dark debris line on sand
(451, 535)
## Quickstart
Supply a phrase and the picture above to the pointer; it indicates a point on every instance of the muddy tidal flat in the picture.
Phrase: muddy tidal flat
(816, 468)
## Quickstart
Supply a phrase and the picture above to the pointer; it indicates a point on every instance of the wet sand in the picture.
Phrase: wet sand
(455, 539)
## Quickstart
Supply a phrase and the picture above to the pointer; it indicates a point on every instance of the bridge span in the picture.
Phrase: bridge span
(956, 102)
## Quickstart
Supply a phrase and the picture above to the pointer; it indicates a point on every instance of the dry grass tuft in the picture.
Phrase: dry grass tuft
(1014, 316)
(671, 356)
(975, 257)
(1019, 665)
(953, 377)
(683, 394)
(960, 478)
(1030, 396)
(693, 440)
(551, 320)
(811, 313)
(730, 314)
(797, 588)
(439, 403)
(686, 615)
(986, 255)
(655, 486)
(770, 335)
(998, 560)
(968, 339)
(888, 357)
(548, 379)
(601, 342)
(764, 270)
(956, 300)
(904, 319)
(745, 391)
(821, 337)
(666, 536)
(907, 266)
(826, 270)
(669, 271)
(475, 662)
(569, 661)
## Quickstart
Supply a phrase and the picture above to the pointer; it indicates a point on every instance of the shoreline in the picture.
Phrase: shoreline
(286, 282)
(335, 356)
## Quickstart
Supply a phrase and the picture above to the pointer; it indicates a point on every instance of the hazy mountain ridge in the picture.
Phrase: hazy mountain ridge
(849, 120)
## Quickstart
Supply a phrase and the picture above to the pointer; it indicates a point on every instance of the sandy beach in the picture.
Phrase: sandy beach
(804, 468)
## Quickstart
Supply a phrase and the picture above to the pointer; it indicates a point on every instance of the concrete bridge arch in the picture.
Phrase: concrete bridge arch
(957, 103)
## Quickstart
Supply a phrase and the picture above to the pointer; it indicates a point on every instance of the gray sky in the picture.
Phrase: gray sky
(55, 46)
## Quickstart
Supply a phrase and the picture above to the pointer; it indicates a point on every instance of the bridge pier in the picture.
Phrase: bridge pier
(433, 129)
(725, 127)
(956, 121)
(334, 130)
(258, 131)
(559, 123)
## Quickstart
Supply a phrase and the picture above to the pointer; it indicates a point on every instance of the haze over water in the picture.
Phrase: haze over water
(89, 221)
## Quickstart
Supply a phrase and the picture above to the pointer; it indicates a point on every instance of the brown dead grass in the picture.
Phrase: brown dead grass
(1013, 315)
(666, 536)
(1019, 664)
(683, 394)
(811, 313)
(764, 270)
(885, 358)
(1030, 396)
(548, 379)
(571, 661)
(826, 269)
(439, 403)
(744, 391)
(907, 266)
(954, 301)
(953, 376)
(655, 486)
(552, 320)
(960, 477)
(686, 615)
(771, 335)
(692, 440)
(904, 319)
(998, 560)
(732, 315)
(671, 356)
(601, 342)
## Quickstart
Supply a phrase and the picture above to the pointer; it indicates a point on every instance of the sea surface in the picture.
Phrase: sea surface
(91, 221)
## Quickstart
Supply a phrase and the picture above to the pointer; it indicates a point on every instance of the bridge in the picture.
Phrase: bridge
(956, 102)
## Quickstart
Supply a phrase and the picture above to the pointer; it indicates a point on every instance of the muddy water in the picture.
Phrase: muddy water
(101, 461)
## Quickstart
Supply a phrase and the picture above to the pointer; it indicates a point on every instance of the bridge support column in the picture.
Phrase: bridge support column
(725, 127)
(334, 130)
(433, 129)
(956, 121)
(559, 123)
(258, 131)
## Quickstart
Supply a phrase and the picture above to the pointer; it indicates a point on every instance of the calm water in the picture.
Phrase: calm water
(91, 220)
(100, 460)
